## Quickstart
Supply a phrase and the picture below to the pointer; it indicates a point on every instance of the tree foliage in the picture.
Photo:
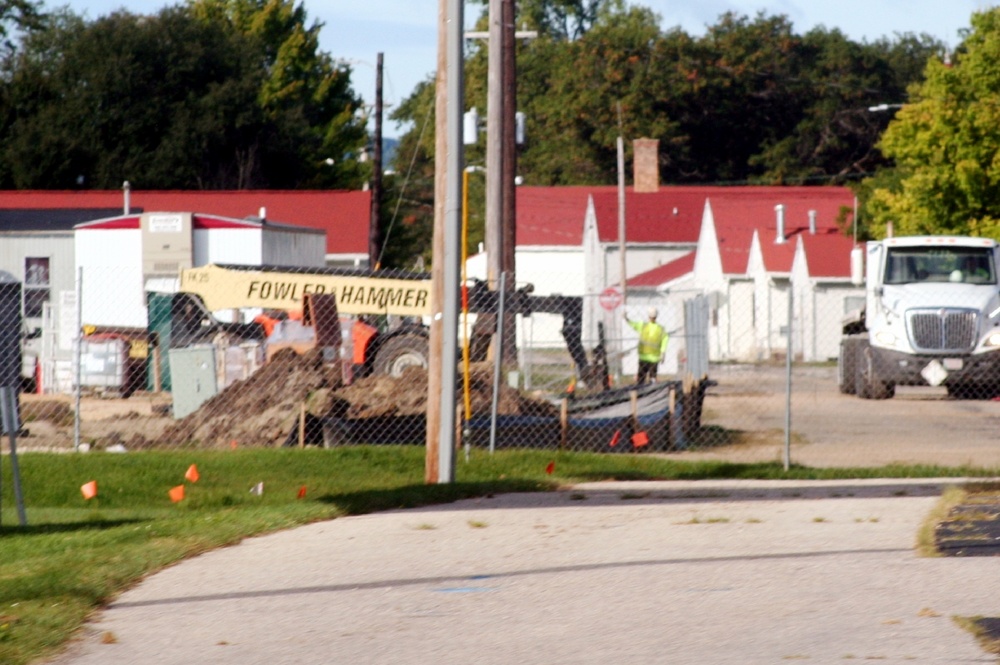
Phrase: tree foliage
(751, 101)
(202, 96)
(19, 15)
(944, 144)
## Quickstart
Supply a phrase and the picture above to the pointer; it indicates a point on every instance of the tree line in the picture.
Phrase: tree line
(212, 94)
(749, 102)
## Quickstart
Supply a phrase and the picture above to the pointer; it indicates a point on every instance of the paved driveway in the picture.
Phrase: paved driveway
(673, 572)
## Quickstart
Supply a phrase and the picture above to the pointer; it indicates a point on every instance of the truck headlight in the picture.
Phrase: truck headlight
(885, 338)
(993, 339)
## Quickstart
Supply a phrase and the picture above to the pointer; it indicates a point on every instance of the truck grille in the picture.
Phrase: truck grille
(943, 329)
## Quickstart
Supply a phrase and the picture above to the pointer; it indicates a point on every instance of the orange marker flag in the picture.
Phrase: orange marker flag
(89, 490)
(232, 444)
(177, 493)
(192, 473)
(550, 468)
(615, 438)
(302, 492)
(640, 439)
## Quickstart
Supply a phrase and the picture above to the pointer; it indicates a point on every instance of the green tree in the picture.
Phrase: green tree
(751, 101)
(561, 19)
(304, 93)
(834, 134)
(580, 96)
(179, 99)
(408, 201)
(944, 143)
(19, 15)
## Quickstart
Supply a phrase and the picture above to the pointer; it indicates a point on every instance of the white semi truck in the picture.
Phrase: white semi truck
(931, 317)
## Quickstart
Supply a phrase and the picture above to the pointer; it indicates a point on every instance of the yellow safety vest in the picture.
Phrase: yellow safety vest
(652, 341)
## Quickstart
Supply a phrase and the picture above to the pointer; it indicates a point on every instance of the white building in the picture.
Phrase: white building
(732, 244)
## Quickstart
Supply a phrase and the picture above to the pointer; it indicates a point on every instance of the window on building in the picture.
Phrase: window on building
(36, 285)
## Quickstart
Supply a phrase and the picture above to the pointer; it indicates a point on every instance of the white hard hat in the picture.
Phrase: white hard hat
(652, 312)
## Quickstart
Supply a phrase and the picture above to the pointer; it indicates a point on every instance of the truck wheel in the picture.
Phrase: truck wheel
(401, 352)
(868, 384)
(846, 362)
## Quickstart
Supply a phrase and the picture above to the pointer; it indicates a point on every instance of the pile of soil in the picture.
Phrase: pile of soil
(265, 409)
(381, 396)
(260, 410)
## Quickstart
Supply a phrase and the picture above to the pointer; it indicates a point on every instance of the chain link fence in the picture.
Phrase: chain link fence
(235, 356)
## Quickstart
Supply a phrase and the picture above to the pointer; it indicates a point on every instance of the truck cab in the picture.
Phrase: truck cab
(931, 317)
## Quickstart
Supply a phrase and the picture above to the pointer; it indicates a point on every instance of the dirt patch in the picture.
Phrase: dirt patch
(381, 396)
(263, 410)
(260, 410)
(267, 408)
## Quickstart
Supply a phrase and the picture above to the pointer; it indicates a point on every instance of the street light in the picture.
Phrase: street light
(879, 108)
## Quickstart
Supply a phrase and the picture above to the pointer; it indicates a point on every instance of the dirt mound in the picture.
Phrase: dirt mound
(264, 410)
(381, 396)
(261, 410)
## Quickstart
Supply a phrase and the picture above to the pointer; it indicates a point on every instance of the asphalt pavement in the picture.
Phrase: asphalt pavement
(640, 572)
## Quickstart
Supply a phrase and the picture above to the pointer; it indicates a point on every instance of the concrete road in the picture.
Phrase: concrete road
(672, 572)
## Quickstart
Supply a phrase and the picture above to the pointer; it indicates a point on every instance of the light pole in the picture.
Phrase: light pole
(465, 289)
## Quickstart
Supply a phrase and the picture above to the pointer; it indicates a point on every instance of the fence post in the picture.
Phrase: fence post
(78, 358)
(563, 422)
(497, 367)
(788, 384)
(11, 425)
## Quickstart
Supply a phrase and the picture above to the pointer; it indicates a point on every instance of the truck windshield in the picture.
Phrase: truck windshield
(970, 265)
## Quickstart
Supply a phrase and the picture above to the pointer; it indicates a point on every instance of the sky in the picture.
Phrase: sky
(405, 31)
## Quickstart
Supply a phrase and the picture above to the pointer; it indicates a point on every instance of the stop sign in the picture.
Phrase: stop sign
(610, 298)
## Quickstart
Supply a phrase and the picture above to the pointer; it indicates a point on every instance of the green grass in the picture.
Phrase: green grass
(76, 555)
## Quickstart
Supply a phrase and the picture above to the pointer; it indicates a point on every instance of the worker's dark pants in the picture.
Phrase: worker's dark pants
(647, 370)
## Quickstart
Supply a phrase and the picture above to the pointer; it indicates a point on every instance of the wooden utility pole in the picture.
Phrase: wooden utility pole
(431, 461)
(442, 373)
(508, 201)
(495, 93)
(375, 228)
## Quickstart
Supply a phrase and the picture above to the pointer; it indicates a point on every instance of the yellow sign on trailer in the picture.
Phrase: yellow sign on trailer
(227, 288)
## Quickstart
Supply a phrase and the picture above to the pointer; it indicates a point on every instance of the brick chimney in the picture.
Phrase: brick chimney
(646, 165)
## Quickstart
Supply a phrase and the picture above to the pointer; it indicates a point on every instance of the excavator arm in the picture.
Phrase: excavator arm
(483, 301)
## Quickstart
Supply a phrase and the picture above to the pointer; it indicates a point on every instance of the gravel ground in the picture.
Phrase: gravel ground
(666, 572)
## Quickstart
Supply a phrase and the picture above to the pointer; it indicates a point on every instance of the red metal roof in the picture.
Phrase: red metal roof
(828, 255)
(343, 215)
(671, 215)
(552, 216)
(665, 273)
(738, 211)
(555, 215)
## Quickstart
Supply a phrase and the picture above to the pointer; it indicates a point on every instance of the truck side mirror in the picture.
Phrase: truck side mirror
(857, 266)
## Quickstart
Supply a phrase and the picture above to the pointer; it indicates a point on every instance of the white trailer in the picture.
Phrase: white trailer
(123, 258)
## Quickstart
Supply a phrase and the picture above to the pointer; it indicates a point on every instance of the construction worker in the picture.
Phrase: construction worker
(652, 345)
